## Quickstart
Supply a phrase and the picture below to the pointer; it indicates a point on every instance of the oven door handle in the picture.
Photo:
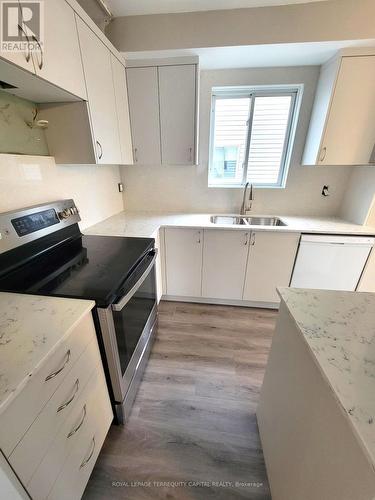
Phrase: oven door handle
(125, 299)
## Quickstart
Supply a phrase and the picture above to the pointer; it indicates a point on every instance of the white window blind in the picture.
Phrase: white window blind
(251, 137)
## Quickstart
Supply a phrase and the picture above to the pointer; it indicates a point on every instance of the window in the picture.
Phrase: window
(251, 135)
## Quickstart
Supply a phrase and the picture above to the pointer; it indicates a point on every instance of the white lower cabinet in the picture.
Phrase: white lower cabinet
(228, 264)
(270, 264)
(56, 445)
(224, 263)
(78, 466)
(183, 259)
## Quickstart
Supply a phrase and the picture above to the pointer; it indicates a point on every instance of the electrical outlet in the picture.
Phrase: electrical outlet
(120, 187)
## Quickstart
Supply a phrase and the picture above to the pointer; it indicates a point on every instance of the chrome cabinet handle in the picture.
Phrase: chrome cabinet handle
(100, 155)
(190, 154)
(41, 62)
(85, 462)
(323, 154)
(246, 238)
(28, 54)
(252, 239)
(73, 431)
(53, 374)
(67, 403)
(199, 237)
(135, 155)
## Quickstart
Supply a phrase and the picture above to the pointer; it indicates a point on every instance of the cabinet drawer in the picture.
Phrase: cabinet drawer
(35, 443)
(78, 466)
(95, 393)
(21, 413)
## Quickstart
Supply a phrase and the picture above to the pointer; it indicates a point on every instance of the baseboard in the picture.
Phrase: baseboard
(224, 302)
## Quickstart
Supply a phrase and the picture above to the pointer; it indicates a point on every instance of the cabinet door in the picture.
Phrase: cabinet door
(101, 95)
(349, 137)
(177, 113)
(59, 60)
(183, 261)
(270, 264)
(122, 107)
(144, 114)
(224, 263)
(15, 25)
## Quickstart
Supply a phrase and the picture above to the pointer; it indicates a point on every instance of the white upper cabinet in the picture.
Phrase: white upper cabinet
(122, 108)
(163, 113)
(177, 113)
(342, 126)
(59, 60)
(144, 114)
(15, 25)
(224, 263)
(270, 264)
(101, 96)
(183, 258)
(56, 58)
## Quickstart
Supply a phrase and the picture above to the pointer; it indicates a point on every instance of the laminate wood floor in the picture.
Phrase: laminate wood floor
(193, 427)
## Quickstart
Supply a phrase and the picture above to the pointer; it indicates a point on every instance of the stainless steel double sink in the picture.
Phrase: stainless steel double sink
(245, 220)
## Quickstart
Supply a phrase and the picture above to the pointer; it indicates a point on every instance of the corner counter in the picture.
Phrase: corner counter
(316, 414)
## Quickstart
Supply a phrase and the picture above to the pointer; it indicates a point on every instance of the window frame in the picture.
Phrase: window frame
(295, 91)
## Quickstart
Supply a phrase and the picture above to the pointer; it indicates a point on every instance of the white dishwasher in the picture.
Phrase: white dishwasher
(330, 262)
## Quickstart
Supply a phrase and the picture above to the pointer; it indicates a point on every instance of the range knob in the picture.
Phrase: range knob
(64, 214)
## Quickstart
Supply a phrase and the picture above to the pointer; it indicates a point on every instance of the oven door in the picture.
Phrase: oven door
(127, 325)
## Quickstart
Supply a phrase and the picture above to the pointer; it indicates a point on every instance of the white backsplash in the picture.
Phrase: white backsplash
(358, 204)
(184, 188)
(18, 133)
(29, 180)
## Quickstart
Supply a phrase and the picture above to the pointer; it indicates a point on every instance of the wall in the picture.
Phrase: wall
(18, 133)
(29, 180)
(358, 204)
(96, 13)
(154, 188)
(317, 21)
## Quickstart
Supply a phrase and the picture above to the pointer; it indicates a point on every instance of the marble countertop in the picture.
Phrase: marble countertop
(31, 329)
(339, 328)
(146, 224)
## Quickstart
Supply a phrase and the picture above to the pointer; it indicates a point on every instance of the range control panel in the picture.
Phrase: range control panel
(34, 222)
(28, 224)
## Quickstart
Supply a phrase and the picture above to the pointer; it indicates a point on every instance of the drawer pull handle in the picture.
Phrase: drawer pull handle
(73, 431)
(87, 460)
(53, 374)
(67, 403)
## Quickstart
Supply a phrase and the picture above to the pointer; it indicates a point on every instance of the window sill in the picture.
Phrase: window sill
(241, 186)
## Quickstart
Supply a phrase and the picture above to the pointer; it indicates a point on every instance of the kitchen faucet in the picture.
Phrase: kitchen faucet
(245, 208)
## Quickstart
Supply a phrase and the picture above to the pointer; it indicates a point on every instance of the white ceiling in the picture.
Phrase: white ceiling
(258, 56)
(140, 7)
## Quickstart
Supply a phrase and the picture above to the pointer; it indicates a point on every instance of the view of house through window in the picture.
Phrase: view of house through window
(251, 136)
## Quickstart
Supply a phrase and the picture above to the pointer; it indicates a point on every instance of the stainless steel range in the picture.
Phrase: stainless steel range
(43, 252)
